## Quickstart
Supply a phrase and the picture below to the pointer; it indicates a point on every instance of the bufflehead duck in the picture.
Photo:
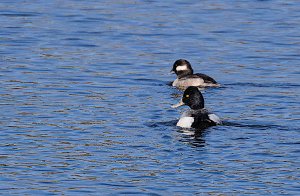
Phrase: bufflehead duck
(197, 117)
(186, 77)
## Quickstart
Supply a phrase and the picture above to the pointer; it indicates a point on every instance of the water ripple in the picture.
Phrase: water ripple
(86, 96)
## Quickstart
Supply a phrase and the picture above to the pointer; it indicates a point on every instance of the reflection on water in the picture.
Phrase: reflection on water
(194, 138)
(85, 97)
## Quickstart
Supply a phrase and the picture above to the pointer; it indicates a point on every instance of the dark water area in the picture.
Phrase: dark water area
(86, 102)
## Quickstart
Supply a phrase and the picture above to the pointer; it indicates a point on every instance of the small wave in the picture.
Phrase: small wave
(158, 124)
(254, 126)
(267, 85)
(20, 14)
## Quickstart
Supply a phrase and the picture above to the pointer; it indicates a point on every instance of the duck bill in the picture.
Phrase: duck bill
(178, 104)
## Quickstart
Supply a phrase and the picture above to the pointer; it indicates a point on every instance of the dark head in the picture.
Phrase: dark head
(182, 68)
(193, 98)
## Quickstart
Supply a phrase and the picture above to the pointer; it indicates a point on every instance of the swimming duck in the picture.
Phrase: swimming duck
(186, 77)
(197, 116)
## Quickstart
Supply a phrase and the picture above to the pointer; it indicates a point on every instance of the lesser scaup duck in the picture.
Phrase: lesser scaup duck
(186, 77)
(197, 117)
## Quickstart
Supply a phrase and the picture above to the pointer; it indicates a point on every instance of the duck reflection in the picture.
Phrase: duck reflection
(193, 137)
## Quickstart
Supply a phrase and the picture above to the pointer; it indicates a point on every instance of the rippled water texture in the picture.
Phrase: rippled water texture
(85, 97)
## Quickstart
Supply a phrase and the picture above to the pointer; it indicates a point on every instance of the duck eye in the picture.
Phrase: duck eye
(187, 96)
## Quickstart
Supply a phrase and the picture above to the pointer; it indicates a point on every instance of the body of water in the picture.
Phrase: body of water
(86, 102)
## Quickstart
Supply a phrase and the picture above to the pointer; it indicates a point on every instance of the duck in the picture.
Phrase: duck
(197, 117)
(186, 77)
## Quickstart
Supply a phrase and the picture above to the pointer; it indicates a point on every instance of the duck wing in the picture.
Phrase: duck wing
(206, 78)
(202, 120)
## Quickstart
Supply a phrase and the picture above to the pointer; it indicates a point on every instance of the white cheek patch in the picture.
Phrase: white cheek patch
(185, 122)
(181, 68)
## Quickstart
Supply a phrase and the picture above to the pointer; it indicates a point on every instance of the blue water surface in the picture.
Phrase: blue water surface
(85, 97)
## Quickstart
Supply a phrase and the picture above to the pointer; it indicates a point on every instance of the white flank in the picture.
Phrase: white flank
(188, 82)
(181, 68)
(185, 122)
(215, 118)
